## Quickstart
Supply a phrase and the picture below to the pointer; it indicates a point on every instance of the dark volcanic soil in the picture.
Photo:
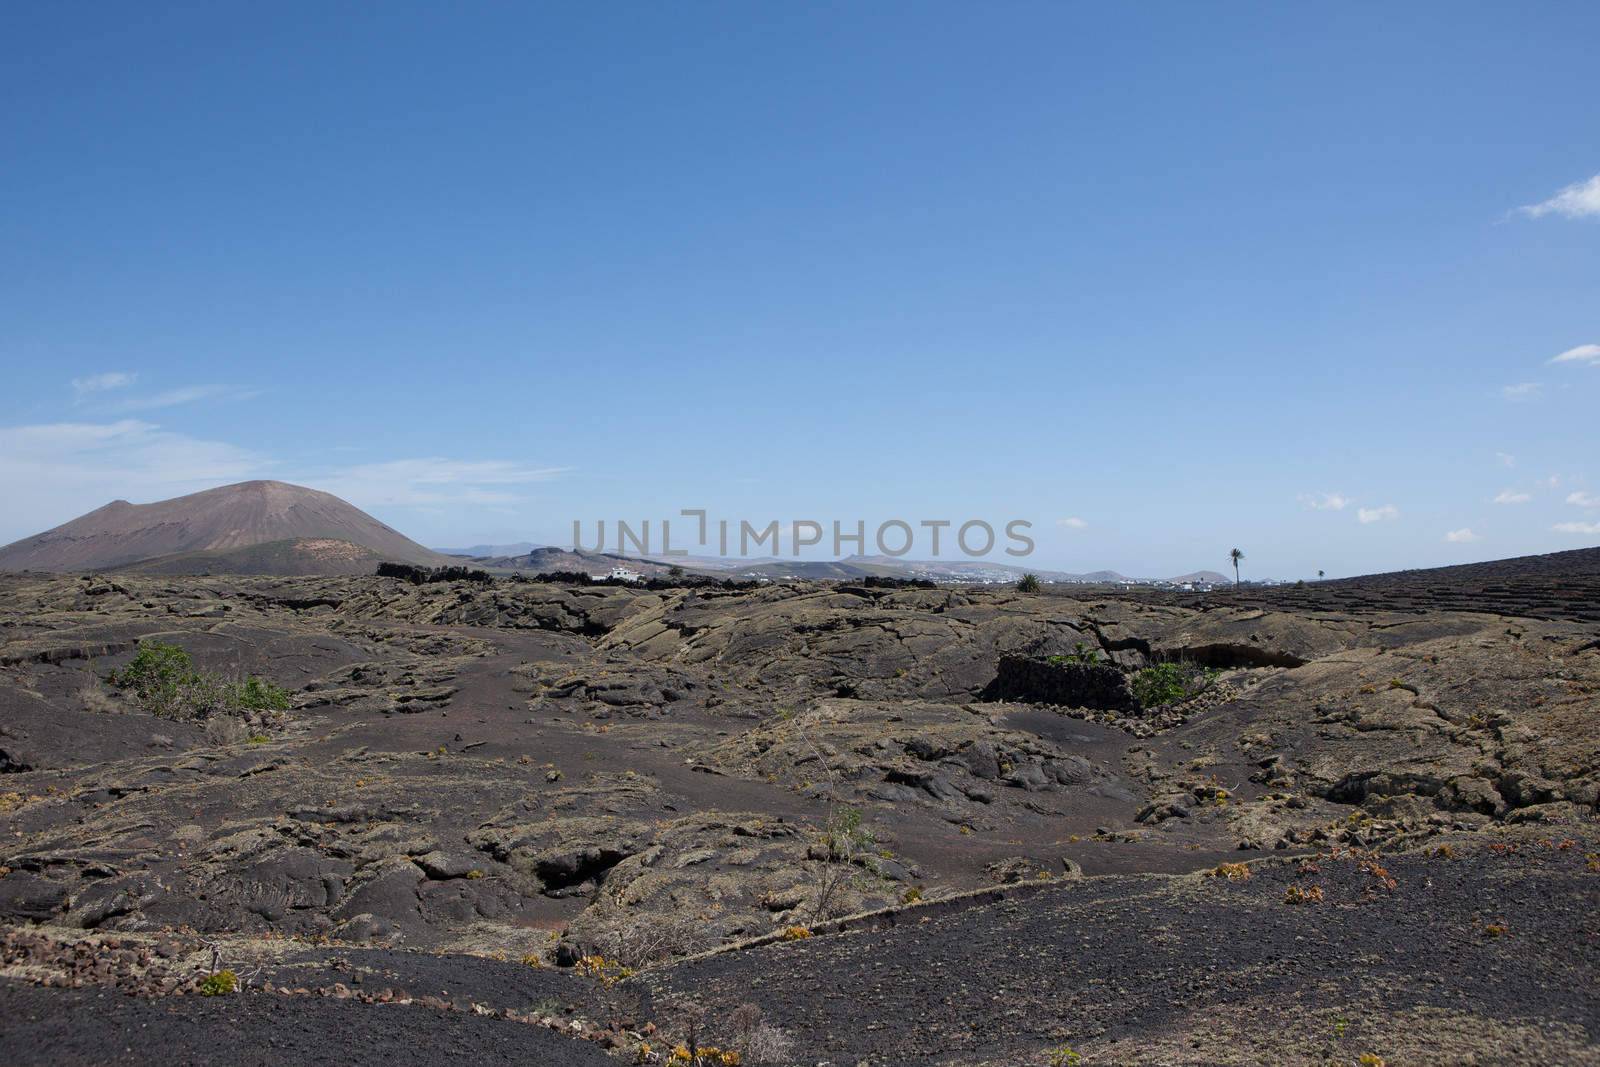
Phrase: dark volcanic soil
(90, 1026)
(1205, 970)
(478, 785)
(1560, 585)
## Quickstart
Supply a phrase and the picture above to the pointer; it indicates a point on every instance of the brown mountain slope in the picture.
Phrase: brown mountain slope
(221, 520)
(303, 556)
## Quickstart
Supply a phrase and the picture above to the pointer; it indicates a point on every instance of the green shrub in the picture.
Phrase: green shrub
(219, 984)
(257, 694)
(1029, 583)
(1170, 683)
(163, 679)
(844, 837)
(1081, 653)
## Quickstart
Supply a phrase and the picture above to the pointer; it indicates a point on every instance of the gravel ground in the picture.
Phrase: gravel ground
(91, 1026)
(1117, 965)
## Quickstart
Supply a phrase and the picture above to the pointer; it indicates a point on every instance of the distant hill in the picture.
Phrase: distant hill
(549, 558)
(944, 570)
(214, 529)
(1197, 577)
(815, 570)
(519, 548)
(1096, 576)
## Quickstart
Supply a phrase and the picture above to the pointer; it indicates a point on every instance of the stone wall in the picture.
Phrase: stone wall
(1070, 684)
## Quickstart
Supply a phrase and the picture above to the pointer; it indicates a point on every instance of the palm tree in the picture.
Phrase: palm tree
(1235, 555)
(1320, 573)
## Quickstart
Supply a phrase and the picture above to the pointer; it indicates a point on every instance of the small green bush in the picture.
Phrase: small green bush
(1029, 583)
(219, 984)
(1081, 653)
(257, 694)
(162, 678)
(1170, 683)
(165, 683)
(844, 837)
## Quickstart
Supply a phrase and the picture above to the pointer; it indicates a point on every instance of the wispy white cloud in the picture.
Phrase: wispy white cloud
(1511, 496)
(433, 481)
(1581, 354)
(1370, 515)
(1324, 501)
(188, 394)
(1577, 201)
(1577, 527)
(1073, 523)
(1583, 499)
(99, 383)
(1551, 482)
(95, 387)
(1505, 459)
(1521, 391)
(1461, 536)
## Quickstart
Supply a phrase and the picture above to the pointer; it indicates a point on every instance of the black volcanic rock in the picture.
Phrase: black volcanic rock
(666, 775)
(1065, 683)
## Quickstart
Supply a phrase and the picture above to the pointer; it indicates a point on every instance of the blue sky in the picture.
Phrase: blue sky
(1195, 278)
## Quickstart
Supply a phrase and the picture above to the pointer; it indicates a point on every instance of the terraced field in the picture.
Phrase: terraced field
(1560, 586)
